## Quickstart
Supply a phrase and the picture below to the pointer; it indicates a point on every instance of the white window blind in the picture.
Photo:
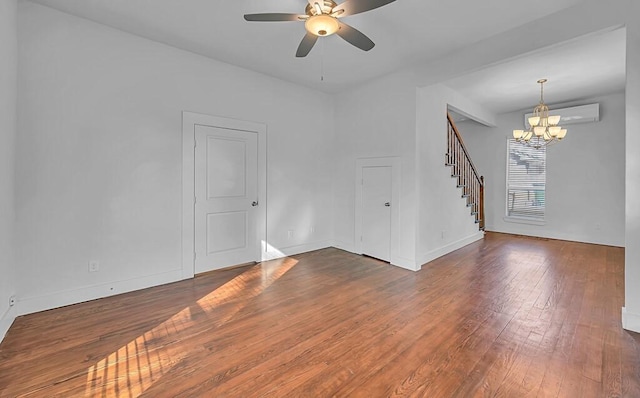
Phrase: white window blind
(526, 179)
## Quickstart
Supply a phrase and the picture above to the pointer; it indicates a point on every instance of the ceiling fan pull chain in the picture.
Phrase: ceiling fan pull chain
(322, 62)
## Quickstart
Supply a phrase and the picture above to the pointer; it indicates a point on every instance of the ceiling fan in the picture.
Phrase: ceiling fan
(321, 19)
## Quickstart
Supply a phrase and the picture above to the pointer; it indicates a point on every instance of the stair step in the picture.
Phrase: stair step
(455, 175)
(473, 213)
(478, 221)
(450, 164)
(461, 186)
(470, 204)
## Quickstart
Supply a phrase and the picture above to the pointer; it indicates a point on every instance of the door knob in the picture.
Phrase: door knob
(254, 204)
(387, 204)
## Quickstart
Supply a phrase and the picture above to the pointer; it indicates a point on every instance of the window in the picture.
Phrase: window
(526, 178)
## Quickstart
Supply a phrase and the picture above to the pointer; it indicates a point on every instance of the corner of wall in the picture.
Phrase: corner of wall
(630, 321)
(8, 133)
(441, 251)
(6, 321)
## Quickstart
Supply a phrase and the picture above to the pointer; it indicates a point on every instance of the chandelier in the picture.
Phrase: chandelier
(544, 129)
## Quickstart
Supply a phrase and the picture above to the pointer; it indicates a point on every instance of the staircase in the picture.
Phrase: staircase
(465, 173)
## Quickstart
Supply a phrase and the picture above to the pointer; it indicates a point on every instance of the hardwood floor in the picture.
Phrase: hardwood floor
(507, 316)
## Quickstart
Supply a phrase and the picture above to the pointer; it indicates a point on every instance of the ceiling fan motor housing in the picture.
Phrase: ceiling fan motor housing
(326, 6)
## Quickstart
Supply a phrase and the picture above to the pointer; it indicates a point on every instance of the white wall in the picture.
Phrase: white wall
(376, 120)
(99, 156)
(631, 312)
(8, 93)
(82, 79)
(444, 221)
(585, 175)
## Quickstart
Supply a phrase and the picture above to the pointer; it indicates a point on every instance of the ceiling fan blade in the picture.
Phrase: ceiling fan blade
(351, 7)
(272, 17)
(355, 37)
(306, 45)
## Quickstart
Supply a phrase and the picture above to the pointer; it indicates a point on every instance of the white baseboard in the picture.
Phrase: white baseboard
(29, 305)
(6, 321)
(547, 234)
(398, 261)
(272, 253)
(441, 251)
(630, 321)
(346, 246)
(405, 263)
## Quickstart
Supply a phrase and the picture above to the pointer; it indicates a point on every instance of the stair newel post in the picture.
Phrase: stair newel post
(477, 201)
(477, 195)
(482, 203)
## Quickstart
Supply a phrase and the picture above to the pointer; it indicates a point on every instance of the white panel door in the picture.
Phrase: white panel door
(226, 188)
(376, 212)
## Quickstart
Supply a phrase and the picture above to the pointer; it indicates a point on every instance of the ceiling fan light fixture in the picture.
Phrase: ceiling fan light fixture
(321, 19)
(322, 25)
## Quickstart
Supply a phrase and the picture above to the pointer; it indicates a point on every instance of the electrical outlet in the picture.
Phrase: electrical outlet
(442, 235)
(312, 230)
(12, 301)
(94, 266)
(290, 234)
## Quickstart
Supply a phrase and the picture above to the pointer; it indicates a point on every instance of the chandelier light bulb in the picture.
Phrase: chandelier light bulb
(554, 130)
(554, 120)
(562, 134)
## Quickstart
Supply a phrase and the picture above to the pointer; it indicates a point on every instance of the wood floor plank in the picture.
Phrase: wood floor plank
(505, 316)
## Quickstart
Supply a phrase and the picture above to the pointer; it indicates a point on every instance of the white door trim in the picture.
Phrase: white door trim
(189, 121)
(394, 163)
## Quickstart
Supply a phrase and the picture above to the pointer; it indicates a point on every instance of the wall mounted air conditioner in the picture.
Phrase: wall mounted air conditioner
(573, 115)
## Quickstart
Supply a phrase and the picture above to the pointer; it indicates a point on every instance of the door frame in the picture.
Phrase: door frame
(189, 121)
(394, 163)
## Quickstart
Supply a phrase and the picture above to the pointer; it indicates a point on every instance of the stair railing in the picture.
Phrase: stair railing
(463, 169)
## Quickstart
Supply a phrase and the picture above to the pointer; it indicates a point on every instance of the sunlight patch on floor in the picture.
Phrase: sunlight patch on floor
(134, 367)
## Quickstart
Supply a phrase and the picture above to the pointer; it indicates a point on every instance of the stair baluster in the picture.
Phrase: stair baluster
(465, 173)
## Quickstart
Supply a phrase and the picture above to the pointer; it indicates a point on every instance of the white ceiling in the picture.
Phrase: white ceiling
(579, 69)
(407, 33)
